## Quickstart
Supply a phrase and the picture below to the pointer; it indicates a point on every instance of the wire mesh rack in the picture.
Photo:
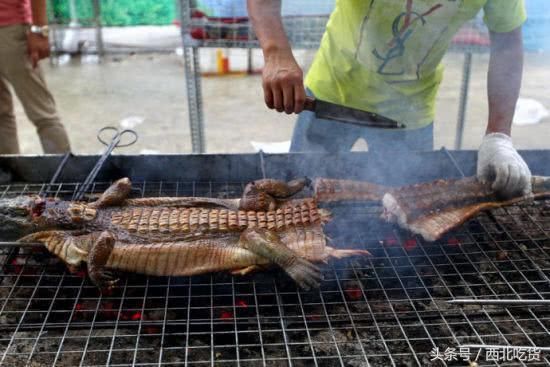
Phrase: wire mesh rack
(390, 309)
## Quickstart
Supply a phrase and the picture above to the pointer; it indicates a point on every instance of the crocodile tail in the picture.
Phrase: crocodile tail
(329, 190)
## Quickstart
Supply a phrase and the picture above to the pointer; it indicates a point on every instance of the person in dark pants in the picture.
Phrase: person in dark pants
(385, 57)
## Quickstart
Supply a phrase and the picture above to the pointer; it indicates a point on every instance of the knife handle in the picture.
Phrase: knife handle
(309, 104)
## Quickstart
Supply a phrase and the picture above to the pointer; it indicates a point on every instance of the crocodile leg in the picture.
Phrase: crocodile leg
(245, 271)
(267, 244)
(114, 195)
(73, 250)
(263, 194)
(343, 253)
(97, 258)
(280, 189)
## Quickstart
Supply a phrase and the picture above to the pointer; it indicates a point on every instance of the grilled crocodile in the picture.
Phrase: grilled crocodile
(179, 236)
(428, 209)
(432, 209)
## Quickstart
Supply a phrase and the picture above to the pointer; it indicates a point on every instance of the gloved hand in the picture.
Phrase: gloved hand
(499, 162)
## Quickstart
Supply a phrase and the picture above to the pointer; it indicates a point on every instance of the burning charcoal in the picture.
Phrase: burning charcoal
(394, 280)
(353, 291)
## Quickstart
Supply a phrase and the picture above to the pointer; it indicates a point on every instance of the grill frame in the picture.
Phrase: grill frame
(343, 316)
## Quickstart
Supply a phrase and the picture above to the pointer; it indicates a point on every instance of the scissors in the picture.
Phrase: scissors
(115, 142)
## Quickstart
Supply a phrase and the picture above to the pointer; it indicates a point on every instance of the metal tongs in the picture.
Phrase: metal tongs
(116, 142)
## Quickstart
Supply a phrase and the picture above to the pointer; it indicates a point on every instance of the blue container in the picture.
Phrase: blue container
(223, 8)
(237, 8)
(536, 30)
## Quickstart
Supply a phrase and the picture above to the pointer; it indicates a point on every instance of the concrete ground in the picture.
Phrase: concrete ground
(148, 90)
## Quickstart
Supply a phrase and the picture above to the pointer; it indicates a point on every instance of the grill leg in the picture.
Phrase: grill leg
(466, 72)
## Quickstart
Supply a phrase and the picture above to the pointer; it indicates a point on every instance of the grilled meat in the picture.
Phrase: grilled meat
(432, 209)
(328, 190)
(429, 209)
(180, 236)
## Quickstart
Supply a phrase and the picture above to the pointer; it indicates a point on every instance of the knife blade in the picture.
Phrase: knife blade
(348, 115)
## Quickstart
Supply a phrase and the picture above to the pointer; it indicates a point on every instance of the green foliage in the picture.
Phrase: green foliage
(118, 12)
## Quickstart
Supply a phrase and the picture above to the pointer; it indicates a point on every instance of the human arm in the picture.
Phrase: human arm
(498, 160)
(504, 79)
(38, 45)
(282, 77)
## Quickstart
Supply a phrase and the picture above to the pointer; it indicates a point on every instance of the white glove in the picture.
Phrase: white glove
(499, 162)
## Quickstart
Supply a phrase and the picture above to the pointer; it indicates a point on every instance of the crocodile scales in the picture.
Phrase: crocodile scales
(180, 236)
(186, 220)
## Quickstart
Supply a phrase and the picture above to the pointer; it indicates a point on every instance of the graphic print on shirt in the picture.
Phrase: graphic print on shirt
(399, 37)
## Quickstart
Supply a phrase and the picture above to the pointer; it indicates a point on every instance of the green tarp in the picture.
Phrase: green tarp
(118, 12)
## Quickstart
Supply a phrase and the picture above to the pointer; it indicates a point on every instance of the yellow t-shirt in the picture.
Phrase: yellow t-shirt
(384, 55)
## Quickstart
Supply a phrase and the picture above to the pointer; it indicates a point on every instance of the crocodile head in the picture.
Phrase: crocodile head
(16, 215)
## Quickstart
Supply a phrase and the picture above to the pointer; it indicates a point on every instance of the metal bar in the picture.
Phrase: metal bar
(57, 173)
(500, 302)
(98, 28)
(187, 323)
(259, 324)
(142, 313)
(466, 72)
(192, 80)
(116, 325)
(282, 325)
(211, 309)
(235, 323)
(193, 99)
(262, 163)
(453, 161)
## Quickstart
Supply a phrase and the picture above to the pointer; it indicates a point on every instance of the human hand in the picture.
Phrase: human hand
(499, 162)
(38, 48)
(283, 83)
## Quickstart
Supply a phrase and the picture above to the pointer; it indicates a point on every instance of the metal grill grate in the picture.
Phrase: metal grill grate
(387, 310)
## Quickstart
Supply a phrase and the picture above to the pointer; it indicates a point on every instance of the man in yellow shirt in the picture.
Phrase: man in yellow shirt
(384, 56)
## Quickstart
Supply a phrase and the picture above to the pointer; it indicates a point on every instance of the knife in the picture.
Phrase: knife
(348, 115)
